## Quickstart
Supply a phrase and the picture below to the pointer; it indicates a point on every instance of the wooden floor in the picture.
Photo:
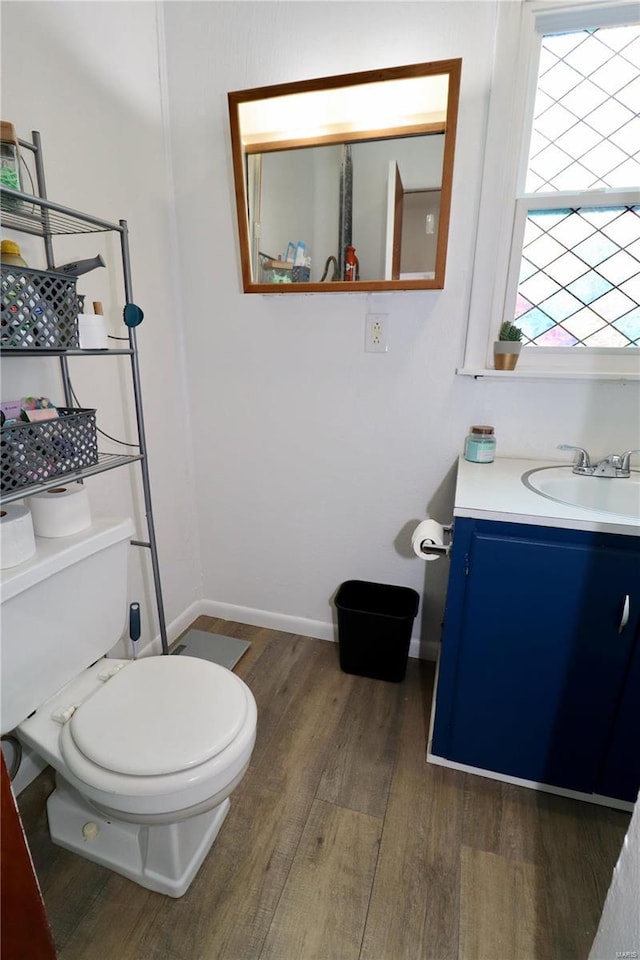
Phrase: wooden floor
(342, 844)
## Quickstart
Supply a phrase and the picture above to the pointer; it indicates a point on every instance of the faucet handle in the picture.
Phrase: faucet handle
(626, 459)
(583, 459)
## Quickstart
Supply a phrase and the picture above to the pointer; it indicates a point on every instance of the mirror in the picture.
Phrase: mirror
(344, 183)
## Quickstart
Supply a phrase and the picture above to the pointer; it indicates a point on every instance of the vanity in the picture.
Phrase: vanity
(539, 672)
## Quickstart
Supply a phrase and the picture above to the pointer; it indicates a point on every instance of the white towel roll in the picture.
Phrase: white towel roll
(17, 542)
(61, 511)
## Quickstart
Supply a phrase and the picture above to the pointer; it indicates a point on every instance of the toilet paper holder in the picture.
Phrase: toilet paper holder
(427, 547)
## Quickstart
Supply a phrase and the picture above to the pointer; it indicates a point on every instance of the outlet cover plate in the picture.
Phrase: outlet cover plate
(375, 337)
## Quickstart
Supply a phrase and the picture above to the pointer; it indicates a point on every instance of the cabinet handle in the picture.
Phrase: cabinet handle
(625, 614)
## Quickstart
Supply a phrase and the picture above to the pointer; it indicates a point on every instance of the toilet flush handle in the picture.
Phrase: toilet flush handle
(134, 625)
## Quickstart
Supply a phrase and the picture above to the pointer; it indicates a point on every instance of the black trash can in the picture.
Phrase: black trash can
(375, 621)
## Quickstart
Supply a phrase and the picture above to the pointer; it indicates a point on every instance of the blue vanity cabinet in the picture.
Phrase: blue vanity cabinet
(534, 671)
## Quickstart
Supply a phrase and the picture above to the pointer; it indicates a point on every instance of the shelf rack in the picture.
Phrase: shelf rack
(38, 216)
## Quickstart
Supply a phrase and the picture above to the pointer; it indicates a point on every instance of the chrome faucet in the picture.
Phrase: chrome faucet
(614, 465)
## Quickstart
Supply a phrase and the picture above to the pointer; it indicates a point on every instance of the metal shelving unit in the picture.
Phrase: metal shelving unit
(40, 217)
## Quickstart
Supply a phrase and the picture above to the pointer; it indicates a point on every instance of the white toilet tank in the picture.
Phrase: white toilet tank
(61, 610)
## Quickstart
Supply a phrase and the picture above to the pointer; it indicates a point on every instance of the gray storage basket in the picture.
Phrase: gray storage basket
(33, 453)
(39, 310)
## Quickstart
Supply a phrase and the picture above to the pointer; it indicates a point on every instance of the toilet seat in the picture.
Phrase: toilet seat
(159, 715)
(95, 742)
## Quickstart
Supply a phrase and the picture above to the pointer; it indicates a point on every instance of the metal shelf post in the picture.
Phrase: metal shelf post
(53, 219)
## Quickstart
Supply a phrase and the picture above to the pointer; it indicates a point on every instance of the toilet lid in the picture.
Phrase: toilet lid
(160, 715)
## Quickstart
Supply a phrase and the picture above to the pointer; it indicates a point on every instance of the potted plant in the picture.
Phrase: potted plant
(506, 349)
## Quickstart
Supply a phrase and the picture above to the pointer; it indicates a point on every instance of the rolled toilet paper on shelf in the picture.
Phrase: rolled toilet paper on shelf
(17, 542)
(92, 331)
(427, 532)
(61, 511)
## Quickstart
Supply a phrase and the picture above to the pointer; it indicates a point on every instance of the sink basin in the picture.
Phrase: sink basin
(620, 496)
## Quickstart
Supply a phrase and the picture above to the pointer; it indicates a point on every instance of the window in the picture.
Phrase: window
(579, 277)
(562, 259)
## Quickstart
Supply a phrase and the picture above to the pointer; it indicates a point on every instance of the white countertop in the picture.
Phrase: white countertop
(495, 491)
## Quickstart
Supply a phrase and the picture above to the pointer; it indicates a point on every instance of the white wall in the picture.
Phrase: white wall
(314, 459)
(286, 173)
(299, 201)
(87, 77)
(618, 933)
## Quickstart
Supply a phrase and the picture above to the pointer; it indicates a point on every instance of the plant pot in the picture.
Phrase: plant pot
(506, 353)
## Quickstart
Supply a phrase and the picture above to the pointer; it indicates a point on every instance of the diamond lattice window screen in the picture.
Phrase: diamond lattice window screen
(579, 279)
(586, 129)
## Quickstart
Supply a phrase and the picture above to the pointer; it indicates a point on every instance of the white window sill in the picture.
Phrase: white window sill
(621, 364)
(529, 374)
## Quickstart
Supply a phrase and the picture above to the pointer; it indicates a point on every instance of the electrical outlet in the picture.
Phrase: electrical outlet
(375, 340)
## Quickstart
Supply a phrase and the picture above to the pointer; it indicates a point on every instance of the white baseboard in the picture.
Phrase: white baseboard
(177, 626)
(266, 618)
(424, 649)
(531, 784)
(319, 629)
(183, 621)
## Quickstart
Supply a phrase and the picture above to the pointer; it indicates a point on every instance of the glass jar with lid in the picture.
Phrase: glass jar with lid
(9, 156)
(480, 445)
(10, 254)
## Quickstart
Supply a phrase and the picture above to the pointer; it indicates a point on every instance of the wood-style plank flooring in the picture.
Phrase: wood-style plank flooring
(343, 844)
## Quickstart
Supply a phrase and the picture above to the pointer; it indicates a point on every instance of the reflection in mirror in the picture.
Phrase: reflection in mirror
(297, 193)
(331, 185)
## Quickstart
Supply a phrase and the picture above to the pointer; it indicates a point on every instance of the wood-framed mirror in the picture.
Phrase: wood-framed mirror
(343, 184)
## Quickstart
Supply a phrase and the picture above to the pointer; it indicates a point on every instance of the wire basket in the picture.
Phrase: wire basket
(39, 310)
(32, 453)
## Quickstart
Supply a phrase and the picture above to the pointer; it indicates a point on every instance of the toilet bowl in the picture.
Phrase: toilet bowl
(146, 752)
(132, 774)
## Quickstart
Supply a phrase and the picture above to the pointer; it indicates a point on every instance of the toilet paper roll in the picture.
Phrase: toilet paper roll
(427, 532)
(61, 511)
(17, 541)
(92, 331)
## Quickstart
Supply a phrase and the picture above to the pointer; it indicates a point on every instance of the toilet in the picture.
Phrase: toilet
(147, 751)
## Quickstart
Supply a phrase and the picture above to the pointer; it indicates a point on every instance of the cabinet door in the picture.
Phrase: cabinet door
(620, 775)
(532, 662)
